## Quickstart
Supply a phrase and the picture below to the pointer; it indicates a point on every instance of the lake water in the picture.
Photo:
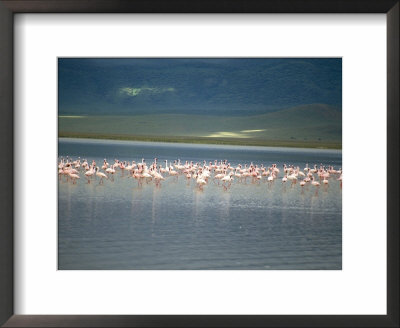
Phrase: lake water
(264, 226)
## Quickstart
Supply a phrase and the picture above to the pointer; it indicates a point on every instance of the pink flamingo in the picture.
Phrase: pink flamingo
(89, 174)
(73, 176)
(101, 175)
(315, 183)
(173, 172)
(201, 182)
(227, 178)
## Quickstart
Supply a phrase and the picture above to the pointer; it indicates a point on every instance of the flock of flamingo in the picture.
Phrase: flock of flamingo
(220, 172)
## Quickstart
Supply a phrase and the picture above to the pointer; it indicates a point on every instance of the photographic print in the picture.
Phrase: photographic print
(199, 164)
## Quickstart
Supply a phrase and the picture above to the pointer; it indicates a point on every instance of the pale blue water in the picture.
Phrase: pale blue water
(120, 225)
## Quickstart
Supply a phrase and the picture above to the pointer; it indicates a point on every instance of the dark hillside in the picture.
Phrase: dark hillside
(196, 86)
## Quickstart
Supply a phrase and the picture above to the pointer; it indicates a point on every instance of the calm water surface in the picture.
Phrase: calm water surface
(120, 225)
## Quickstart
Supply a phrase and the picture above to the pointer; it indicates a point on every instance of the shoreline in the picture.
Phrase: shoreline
(207, 140)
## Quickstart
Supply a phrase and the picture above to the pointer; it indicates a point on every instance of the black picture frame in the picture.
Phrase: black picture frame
(10, 7)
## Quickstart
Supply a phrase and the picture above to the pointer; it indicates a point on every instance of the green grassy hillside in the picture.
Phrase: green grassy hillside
(310, 126)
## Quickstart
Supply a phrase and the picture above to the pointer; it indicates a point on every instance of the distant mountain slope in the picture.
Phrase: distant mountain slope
(315, 122)
(195, 86)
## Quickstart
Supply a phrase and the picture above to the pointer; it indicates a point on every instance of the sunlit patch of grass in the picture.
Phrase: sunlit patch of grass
(133, 92)
(130, 91)
(224, 134)
(250, 131)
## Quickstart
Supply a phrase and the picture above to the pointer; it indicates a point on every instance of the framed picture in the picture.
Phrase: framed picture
(199, 80)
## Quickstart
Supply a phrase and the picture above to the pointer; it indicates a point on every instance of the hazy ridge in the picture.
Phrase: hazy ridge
(196, 86)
